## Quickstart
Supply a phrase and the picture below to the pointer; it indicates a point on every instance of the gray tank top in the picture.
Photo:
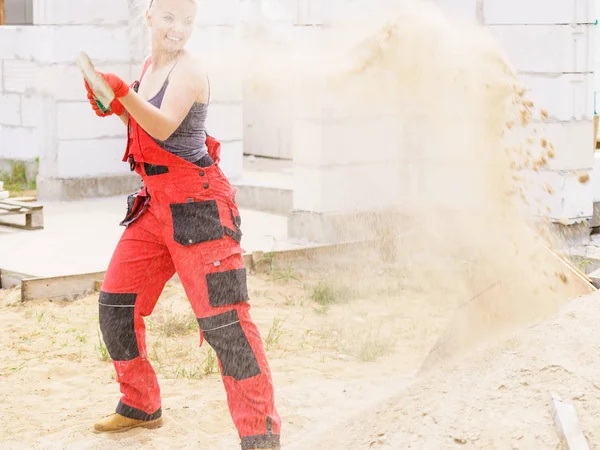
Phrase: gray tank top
(189, 140)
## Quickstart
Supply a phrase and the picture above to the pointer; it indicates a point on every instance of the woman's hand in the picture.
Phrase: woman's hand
(115, 107)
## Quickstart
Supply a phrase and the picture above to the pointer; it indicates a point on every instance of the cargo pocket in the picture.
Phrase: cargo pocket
(225, 335)
(117, 325)
(227, 288)
(195, 222)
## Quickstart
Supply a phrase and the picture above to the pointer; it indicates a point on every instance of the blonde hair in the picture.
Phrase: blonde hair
(153, 2)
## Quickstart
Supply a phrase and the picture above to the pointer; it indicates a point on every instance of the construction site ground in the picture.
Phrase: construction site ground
(345, 340)
(344, 357)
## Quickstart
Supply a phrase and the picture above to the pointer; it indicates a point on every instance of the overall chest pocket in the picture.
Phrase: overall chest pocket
(195, 222)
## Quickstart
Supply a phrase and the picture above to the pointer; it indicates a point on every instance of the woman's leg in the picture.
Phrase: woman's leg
(137, 273)
(219, 297)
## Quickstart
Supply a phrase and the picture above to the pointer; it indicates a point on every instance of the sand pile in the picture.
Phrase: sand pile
(498, 398)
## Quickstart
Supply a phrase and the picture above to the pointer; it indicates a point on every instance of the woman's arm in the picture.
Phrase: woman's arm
(186, 84)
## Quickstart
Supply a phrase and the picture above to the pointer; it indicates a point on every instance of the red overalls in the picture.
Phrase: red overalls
(185, 220)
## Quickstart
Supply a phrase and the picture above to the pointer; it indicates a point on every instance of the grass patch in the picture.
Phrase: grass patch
(195, 372)
(275, 332)
(285, 275)
(101, 350)
(173, 325)
(198, 371)
(15, 180)
(371, 348)
(326, 294)
(210, 363)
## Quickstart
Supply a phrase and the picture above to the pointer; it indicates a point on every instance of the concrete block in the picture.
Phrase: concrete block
(219, 12)
(273, 199)
(566, 196)
(18, 143)
(232, 159)
(571, 142)
(217, 46)
(282, 11)
(267, 126)
(565, 96)
(102, 44)
(69, 189)
(343, 227)
(459, 10)
(366, 187)
(10, 109)
(25, 42)
(31, 111)
(21, 76)
(547, 48)
(64, 82)
(91, 157)
(316, 12)
(225, 121)
(447, 185)
(537, 12)
(356, 140)
(225, 86)
(596, 177)
(78, 121)
(65, 12)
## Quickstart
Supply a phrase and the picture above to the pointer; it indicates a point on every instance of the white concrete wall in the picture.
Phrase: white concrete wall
(555, 51)
(19, 118)
(553, 44)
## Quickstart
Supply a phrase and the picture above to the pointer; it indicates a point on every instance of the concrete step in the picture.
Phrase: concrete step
(266, 185)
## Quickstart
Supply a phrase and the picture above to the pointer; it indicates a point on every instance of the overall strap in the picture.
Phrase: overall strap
(146, 66)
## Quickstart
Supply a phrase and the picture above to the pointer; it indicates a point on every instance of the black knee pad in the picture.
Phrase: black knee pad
(117, 325)
(225, 335)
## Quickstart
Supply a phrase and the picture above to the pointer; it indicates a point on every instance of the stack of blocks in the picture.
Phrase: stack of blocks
(552, 46)
(551, 43)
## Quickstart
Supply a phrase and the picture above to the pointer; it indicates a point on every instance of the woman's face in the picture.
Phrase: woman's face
(171, 23)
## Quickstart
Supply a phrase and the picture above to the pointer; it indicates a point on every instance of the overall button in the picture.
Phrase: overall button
(202, 173)
(206, 186)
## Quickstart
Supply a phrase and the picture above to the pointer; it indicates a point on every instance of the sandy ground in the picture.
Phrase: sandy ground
(332, 354)
(344, 356)
(499, 398)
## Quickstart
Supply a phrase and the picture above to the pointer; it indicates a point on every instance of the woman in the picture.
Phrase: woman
(184, 220)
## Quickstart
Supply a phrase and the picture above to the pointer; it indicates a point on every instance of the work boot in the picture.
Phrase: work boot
(116, 423)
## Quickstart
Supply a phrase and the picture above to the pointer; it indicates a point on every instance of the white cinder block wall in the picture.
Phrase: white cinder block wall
(552, 44)
(76, 143)
(18, 96)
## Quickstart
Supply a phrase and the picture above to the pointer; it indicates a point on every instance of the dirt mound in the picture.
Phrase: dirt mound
(496, 399)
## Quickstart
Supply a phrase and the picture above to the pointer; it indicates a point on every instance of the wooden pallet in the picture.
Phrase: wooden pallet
(26, 206)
